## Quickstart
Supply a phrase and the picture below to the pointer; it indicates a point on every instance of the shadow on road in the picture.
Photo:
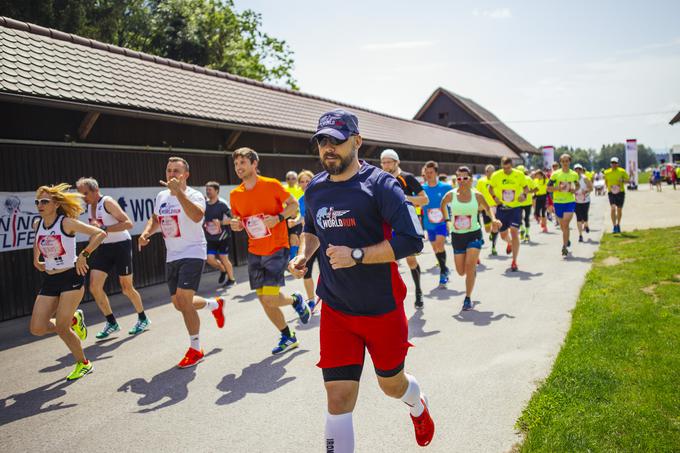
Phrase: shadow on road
(443, 293)
(22, 405)
(580, 259)
(93, 352)
(261, 377)
(167, 388)
(416, 325)
(480, 318)
(247, 298)
(313, 323)
(522, 275)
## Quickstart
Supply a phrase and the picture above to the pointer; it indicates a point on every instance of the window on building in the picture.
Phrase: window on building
(443, 115)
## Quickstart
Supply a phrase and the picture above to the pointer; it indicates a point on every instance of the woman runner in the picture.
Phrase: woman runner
(466, 236)
(55, 308)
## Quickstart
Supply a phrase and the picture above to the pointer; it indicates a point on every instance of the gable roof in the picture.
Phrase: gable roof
(49, 65)
(500, 129)
(676, 118)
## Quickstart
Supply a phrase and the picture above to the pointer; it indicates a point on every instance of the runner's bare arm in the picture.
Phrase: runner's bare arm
(40, 265)
(291, 208)
(419, 200)
(152, 227)
(445, 201)
(124, 222)
(194, 211)
(481, 202)
(309, 244)
(97, 235)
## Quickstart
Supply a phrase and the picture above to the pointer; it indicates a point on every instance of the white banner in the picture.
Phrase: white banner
(632, 160)
(19, 211)
(548, 156)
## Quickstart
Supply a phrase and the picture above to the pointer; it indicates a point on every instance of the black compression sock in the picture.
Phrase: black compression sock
(441, 259)
(141, 315)
(286, 331)
(494, 236)
(415, 273)
(111, 319)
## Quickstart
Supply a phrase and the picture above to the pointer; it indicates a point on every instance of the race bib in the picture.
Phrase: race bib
(564, 186)
(255, 227)
(170, 226)
(435, 215)
(580, 197)
(51, 246)
(508, 195)
(212, 229)
(616, 189)
(462, 222)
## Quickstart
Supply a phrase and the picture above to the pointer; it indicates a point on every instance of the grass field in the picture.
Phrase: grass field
(615, 386)
(643, 178)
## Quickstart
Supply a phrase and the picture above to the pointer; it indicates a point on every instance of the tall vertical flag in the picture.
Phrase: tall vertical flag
(632, 160)
(548, 156)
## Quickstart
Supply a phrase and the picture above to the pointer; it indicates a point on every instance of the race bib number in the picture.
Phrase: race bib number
(213, 229)
(616, 189)
(564, 186)
(580, 196)
(508, 195)
(462, 222)
(255, 227)
(51, 246)
(435, 215)
(170, 226)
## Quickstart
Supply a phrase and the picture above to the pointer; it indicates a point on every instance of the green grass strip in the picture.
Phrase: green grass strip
(615, 385)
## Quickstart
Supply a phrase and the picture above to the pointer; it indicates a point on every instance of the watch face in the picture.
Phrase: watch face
(357, 254)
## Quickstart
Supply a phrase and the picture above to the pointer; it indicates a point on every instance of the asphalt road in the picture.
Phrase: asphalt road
(478, 368)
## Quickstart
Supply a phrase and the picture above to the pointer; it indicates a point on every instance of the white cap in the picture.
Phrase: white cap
(614, 159)
(390, 154)
(578, 166)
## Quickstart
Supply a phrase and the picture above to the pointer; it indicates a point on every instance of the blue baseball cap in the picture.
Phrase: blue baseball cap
(338, 123)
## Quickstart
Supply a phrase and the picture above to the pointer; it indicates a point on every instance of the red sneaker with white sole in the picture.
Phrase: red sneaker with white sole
(513, 266)
(191, 358)
(508, 249)
(218, 313)
(424, 426)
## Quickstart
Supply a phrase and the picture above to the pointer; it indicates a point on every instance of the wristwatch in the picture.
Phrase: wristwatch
(103, 227)
(358, 255)
(281, 218)
(85, 254)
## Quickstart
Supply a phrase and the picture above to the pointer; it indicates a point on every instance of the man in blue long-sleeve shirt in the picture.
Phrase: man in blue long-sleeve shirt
(359, 219)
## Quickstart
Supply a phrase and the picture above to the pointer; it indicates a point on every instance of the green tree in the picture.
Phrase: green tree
(207, 33)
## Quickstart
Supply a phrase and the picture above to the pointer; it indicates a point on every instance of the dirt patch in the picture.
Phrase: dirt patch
(649, 290)
(611, 261)
(626, 241)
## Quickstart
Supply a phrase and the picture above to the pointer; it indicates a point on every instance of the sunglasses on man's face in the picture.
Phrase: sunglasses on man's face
(462, 178)
(43, 201)
(325, 140)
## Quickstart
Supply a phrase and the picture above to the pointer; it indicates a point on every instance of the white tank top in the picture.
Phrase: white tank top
(103, 217)
(582, 194)
(57, 248)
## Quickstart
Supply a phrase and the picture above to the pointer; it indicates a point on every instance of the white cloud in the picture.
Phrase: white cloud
(398, 45)
(498, 13)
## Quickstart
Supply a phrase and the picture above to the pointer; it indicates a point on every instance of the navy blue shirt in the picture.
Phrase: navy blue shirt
(362, 211)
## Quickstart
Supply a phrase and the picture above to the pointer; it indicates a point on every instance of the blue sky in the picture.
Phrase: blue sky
(524, 61)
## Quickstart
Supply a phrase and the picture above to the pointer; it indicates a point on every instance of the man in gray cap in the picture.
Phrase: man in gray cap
(389, 161)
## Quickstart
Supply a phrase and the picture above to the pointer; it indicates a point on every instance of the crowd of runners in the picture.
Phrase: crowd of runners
(354, 220)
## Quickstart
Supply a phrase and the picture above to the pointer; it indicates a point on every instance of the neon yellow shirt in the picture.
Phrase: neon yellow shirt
(508, 188)
(530, 195)
(590, 174)
(616, 180)
(541, 185)
(483, 188)
(562, 181)
(295, 191)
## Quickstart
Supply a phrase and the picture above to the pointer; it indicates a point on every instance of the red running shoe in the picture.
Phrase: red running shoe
(191, 358)
(218, 313)
(513, 266)
(478, 261)
(508, 249)
(424, 426)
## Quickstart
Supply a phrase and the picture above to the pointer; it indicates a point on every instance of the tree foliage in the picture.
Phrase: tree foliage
(596, 160)
(208, 33)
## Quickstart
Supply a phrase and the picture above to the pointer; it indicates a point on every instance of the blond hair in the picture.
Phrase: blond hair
(68, 203)
(307, 173)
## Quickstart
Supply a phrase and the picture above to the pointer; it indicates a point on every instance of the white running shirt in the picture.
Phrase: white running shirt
(183, 237)
(582, 194)
(106, 219)
(57, 248)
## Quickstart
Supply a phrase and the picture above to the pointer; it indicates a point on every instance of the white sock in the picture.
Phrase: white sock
(195, 342)
(339, 433)
(412, 396)
(211, 304)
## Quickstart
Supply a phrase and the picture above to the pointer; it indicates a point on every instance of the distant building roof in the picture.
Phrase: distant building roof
(44, 64)
(483, 116)
(676, 118)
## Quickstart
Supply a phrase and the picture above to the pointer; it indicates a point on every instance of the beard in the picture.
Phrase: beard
(339, 166)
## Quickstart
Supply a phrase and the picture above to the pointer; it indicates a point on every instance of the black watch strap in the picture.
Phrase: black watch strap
(281, 218)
